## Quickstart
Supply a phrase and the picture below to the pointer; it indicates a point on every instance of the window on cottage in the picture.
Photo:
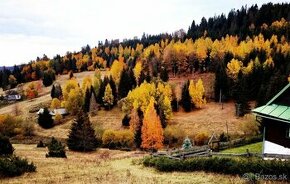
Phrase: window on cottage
(288, 132)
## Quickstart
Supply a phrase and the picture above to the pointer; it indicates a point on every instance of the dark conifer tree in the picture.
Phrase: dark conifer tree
(52, 92)
(114, 89)
(6, 147)
(142, 77)
(88, 95)
(148, 77)
(164, 74)
(174, 104)
(45, 119)
(55, 149)
(241, 95)
(185, 98)
(221, 89)
(48, 78)
(132, 78)
(126, 121)
(82, 135)
(138, 134)
(125, 85)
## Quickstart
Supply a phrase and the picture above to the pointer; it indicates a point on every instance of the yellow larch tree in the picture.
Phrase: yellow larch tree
(137, 71)
(55, 103)
(234, 67)
(152, 132)
(108, 98)
(116, 70)
(197, 93)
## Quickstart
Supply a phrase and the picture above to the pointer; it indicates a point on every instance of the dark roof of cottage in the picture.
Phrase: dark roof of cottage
(278, 108)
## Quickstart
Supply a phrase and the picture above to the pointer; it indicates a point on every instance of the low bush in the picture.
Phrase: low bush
(6, 147)
(201, 138)
(232, 166)
(14, 166)
(10, 125)
(58, 119)
(55, 149)
(173, 135)
(40, 144)
(118, 139)
(28, 128)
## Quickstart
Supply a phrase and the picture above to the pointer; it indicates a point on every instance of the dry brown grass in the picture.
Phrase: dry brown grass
(211, 118)
(90, 168)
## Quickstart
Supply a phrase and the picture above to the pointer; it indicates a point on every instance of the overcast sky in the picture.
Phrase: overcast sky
(31, 28)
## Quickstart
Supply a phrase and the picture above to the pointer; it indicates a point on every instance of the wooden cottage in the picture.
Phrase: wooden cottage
(275, 118)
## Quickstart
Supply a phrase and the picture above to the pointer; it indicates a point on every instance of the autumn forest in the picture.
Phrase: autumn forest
(151, 84)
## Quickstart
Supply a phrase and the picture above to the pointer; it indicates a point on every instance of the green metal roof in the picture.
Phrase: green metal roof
(275, 111)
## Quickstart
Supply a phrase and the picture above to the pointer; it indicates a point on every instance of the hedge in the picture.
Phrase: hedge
(231, 166)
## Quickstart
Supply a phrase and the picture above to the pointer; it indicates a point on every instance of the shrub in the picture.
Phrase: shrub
(55, 103)
(118, 139)
(55, 149)
(28, 128)
(6, 147)
(40, 144)
(15, 166)
(10, 125)
(232, 166)
(250, 127)
(57, 119)
(173, 135)
(45, 119)
(201, 138)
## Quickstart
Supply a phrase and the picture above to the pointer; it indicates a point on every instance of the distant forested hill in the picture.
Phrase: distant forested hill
(248, 49)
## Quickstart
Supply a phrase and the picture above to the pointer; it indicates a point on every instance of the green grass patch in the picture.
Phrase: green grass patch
(253, 148)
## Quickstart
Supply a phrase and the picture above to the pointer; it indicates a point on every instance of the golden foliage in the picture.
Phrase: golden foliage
(137, 71)
(152, 132)
(197, 93)
(108, 98)
(234, 67)
(55, 103)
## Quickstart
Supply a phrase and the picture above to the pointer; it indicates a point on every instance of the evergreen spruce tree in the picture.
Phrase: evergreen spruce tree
(70, 74)
(45, 119)
(6, 147)
(126, 121)
(52, 92)
(93, 101)
(142, 78)
(174, 104)
(186, 144)
(164, 74)
(88, 95)
(132, 78)
(47, 79)
(114, 89)
(55, 149)
(103, 84)
(124, 85)
(240, 95)
(148, 77)
(138, 132)
(221, 83)
(82, 135)
(185, 97)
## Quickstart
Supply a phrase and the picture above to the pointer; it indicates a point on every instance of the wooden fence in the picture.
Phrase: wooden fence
(206, 152)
